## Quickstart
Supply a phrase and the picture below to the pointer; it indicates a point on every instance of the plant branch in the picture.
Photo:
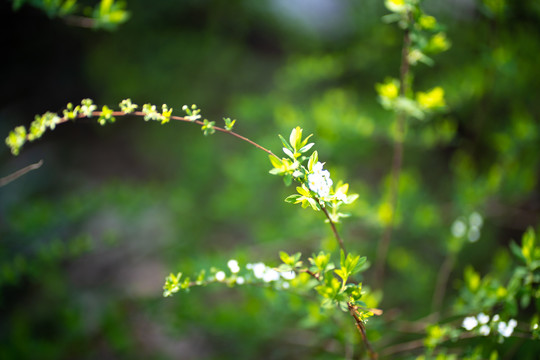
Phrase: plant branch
(362, 329)
(17, 174)
(311, 273)
(359, 323)
(334, 230)
(419, 343)
(397, 160)
(80, 21)
(442, 281)
(180, 118)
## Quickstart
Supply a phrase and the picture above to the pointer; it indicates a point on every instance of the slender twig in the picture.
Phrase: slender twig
(217, 128)
(334, 230)
(397, 160)
(359, 323)
(442, 281)
(17, 174)
(311, 273)
(402, 347)
(80, 21)
(180, 118)
(420, 343)
(362, 329)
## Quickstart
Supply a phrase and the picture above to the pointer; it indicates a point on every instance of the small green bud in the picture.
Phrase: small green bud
(87, 107)
(127, 106)
(208, 127)
(229, 123)
(16, 139)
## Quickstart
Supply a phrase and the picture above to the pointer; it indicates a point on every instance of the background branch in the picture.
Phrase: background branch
(397, 160)
(17, 174)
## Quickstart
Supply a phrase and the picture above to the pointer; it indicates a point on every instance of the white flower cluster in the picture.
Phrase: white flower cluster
(504, 328)
(267, 274)
(260, 271)
(319, 180)
(233, 266)
(460, 228)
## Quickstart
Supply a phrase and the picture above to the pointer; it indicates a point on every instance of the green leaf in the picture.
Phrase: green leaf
(287, 179)
(359, 265)
(322, 261)
(201, 277)
(295, 137)
(277, 163)
(527, 245)
(313, 160)
(285, 143)
(343, 274)
(314, 205)
(344, 306)
(302, 191)
(289, 153)
(516, 250)
(306, 148)
(304, 142)
(208, 127)
(229, 124)
(292, 198)
(390, 18)
(67, 7)
(284, 268)
(342, 259)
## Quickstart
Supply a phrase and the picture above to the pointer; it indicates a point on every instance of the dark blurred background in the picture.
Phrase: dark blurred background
(87, 240)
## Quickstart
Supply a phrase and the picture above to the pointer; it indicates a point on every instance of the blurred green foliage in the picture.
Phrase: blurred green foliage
(87, 240)
(108, 14)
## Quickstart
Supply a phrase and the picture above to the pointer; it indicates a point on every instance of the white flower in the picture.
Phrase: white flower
(341, 196)
(220, 276)
(484, 330)
(258, 270)
(263, 272)
(482, 318)
(474, 234)
(270, 275)
(458, 228)
(240, 280)
(233, 265)
(475, 219)
(496, 318)
(288, 275)
(507, 329)
(469, 323)
(319, 180)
